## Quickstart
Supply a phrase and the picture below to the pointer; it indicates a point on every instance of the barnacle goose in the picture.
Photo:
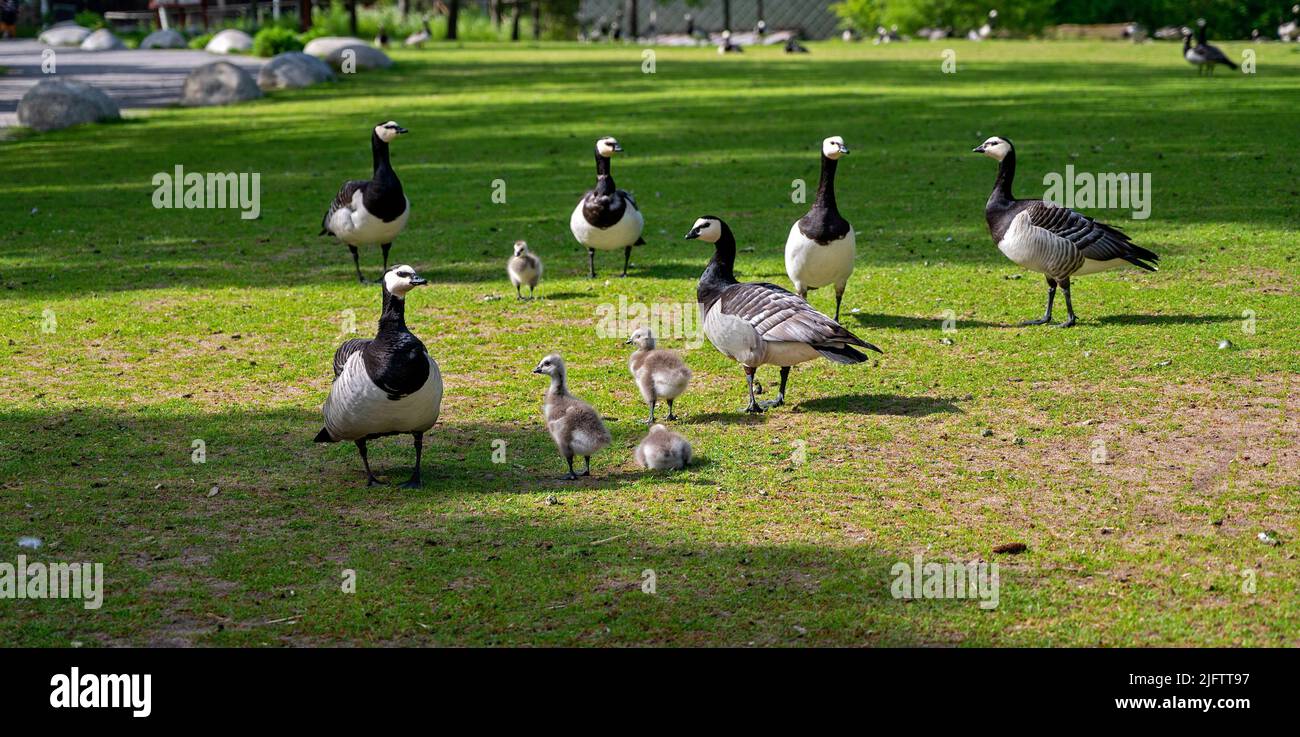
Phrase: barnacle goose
(659, 373)
(1290, 31)
(1203, 55)
(606, 218)
(374, 211)
(575, 427)
(821, 246)
(760, 324)
(421, 36)
(663, 450)
(524, 268)
(1054, 241)
(388, 385)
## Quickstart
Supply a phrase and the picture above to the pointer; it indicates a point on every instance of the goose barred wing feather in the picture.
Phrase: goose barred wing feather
(345, 351)
(629, 198)
(342, 199)
(781, 316)
(1215, 55)
(1095, 241)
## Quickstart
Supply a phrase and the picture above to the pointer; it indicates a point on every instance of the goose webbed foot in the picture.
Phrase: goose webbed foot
(372, 481)
(1068, 323)
(671, 416)
(755, 407)
(1040, 321)
(779, 401)
(570, 476)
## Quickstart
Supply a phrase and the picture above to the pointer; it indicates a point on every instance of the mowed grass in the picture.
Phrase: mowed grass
(183, 325)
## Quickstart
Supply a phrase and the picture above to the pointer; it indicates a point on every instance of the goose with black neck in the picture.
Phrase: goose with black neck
(373, 211)
(821, 247)
(386, 385)
(1052, 240)
(607, 218)
(758, 324)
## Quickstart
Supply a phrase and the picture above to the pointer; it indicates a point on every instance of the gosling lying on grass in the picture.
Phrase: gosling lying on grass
(663, 450)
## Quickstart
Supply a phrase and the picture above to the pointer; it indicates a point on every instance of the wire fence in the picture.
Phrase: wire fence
(813, 19)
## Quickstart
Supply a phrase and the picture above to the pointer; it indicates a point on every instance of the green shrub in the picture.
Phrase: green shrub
(274, 40)
(90, 19)
(201, 40)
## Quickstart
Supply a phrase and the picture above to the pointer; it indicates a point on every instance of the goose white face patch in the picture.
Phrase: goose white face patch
(608, 146)
(387, 132)
(400, 279)
(833, 148)
(996, 148)
(710, 230)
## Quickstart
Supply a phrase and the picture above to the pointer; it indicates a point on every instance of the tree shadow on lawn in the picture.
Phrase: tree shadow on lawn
(185, 565)
(903, 322)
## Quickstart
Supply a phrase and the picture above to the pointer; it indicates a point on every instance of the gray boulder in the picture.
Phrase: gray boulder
(64, 34)
(229, 40)
(218, 83)
(102, 40)
(337, 51)
(291, 70)
(53, 104)
(164, 39)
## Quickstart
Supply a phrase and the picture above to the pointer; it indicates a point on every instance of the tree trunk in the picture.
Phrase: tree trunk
(352, 16)
(304, 15)
(726, 15)
(453, 18)
(537, 20)
(632, 30)
(514, 21)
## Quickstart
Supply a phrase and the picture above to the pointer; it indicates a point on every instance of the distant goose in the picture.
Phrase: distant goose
(1203, 56)
(524, 268)
(658, 373)
(1290, 30)
(575, 427)
(421, 36)
(727, 46)
(381, 40)
(794, 47)
(606, 218)
(663, 450)
(388, 385)
(1049, 239)
(760, 324)
(821, 246)
(374, 211)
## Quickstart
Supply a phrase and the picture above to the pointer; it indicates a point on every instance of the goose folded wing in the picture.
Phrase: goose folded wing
(1213, 54)
(341, 200)
(1095, 241)
(345, 352)
(627, 195)
(781, 316)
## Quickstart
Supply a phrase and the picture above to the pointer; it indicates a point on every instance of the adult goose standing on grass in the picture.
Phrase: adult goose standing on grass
(574, 425)
(1290, 30)
(1052, 240)
(758, 324)
(821, 246)
(1203, 56)
(374, 211)
(606, 218)
(388, 385)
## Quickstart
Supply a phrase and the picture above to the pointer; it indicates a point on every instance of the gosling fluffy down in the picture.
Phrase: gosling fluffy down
(659, 373)
(663, 450)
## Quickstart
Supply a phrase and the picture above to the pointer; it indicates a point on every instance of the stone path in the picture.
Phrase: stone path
(134, 78)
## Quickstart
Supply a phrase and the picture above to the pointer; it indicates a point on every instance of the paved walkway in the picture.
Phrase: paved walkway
(135, 78)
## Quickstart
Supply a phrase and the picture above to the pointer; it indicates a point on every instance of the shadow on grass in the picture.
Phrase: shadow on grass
(881, 404)
(1165, 319)
(903, 322)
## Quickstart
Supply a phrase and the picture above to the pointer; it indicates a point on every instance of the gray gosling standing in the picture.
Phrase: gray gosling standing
(663, 450)
(659, 373)
(524, 268)
(573, 424)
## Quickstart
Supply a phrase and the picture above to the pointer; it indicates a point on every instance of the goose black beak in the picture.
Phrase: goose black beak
(627, 342)
(695, 233)
(400, 130)
(978, 149)
(537, 370)
(844, 150)
(618, 148)
(418, 280)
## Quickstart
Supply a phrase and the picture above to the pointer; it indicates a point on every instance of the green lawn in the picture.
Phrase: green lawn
(176, 325)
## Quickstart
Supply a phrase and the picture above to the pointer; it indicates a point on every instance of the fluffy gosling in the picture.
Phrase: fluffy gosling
(573, 424)
(524, 268)
(658, 373)
(663, 450)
